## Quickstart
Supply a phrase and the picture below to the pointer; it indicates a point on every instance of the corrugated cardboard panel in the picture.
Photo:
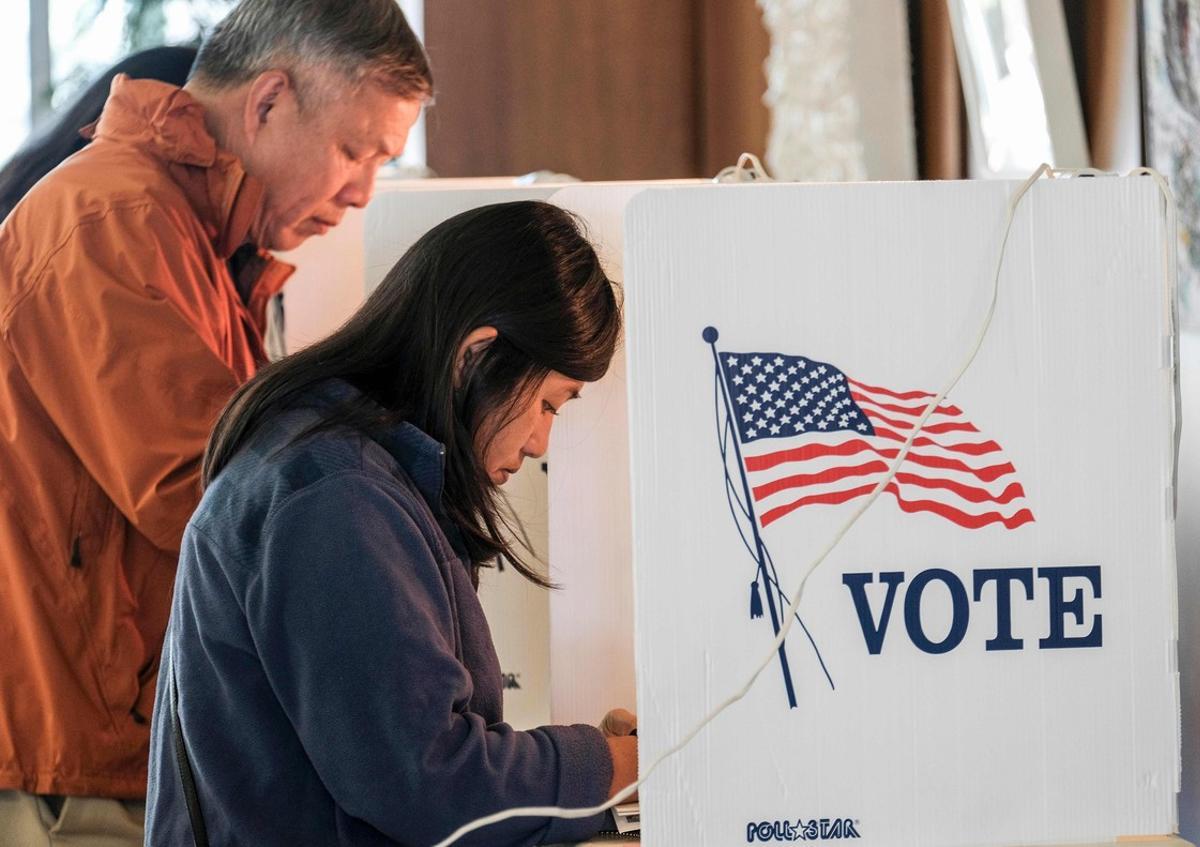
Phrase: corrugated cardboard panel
(1188, 539)
(1063, 731)
(591, 618)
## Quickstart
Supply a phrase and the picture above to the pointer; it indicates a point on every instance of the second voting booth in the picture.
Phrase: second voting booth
(988, 656)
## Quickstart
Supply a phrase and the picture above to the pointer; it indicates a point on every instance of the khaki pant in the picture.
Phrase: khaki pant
(27, 820)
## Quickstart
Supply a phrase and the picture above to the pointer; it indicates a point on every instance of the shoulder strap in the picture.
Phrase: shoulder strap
(199, 833)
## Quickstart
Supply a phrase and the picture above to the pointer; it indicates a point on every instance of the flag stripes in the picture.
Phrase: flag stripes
(811, 435)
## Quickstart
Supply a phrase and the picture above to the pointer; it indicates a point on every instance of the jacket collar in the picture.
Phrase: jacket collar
(170, 122)
(419, 455)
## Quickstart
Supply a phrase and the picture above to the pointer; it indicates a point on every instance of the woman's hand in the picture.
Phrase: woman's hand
(619, 722)
(624, 752)
(620, 731)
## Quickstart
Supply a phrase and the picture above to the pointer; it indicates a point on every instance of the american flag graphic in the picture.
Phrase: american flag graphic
(811, 435)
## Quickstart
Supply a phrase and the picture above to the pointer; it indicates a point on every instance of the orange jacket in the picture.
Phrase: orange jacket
(122, 335)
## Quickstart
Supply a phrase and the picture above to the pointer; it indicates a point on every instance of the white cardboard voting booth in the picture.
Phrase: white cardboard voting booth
(570, 652)
(990, 652)
(948, 733)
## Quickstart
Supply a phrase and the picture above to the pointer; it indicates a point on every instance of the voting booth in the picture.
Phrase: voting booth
(989, 656)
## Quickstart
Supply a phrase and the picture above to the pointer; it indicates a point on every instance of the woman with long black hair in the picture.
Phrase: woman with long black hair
(335, 678)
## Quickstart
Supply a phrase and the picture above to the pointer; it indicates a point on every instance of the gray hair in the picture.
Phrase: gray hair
(360, 40)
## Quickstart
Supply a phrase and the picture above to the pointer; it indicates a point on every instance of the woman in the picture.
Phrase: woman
(337, 682)
(59, 139)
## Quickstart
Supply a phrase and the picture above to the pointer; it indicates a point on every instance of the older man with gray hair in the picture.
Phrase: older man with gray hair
(134, 283)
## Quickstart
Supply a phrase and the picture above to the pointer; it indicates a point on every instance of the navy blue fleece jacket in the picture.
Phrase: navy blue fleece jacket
(337, 678)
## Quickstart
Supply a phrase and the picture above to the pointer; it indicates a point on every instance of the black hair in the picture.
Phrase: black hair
(524, 268)
(60, 138)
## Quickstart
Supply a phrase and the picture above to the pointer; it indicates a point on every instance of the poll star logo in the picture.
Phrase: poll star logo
(797, 433)
(813, 829)
(1061, 606)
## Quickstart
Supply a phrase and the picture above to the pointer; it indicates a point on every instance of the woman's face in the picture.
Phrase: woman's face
(526, 433)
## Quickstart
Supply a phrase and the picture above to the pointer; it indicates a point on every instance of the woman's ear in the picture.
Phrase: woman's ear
(473, 345)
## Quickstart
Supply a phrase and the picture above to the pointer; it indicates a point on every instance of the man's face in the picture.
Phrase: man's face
(317, 160)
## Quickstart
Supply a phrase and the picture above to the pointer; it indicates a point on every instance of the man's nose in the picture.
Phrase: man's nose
(357, 192)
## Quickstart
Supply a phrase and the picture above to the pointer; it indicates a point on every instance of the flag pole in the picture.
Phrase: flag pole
(710, 336)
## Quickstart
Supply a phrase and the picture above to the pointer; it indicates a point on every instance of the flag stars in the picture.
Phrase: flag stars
(760, 377)
(821, 370)
(788, 395)
(780, 403)
(794, 410)
(756, 405)
(862, 427)
(775, 429)
(756, 361)
(748, 417)
(799, 427)
(803, 364)
(808, 419)
(770, 413)
(731, 361)
(741, 400)
(844, 420)
(767, 397)
(791, 370)
(737, 380)
(747, 369)
(750, 433)
(786, 419)
(822, 424)
(751, 389)
(768, 368)
(775, 385)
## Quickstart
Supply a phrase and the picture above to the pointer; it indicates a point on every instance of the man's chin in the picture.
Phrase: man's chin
(286, 239)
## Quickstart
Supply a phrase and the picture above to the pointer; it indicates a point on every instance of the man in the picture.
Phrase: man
(133, 289)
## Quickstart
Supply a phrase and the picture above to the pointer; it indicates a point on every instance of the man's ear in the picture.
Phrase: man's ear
(473, 345)
(263, 96)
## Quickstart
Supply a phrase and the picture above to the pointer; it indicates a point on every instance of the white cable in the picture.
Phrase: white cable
(748, 169)
(790, 614)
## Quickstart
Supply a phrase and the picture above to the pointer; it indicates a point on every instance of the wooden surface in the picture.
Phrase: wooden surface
(733, 118)
(938, 96)
(602, 90)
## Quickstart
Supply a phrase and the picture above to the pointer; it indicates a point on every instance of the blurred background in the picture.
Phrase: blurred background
(632, 89)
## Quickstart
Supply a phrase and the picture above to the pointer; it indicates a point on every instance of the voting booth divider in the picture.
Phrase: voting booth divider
(989, 656)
